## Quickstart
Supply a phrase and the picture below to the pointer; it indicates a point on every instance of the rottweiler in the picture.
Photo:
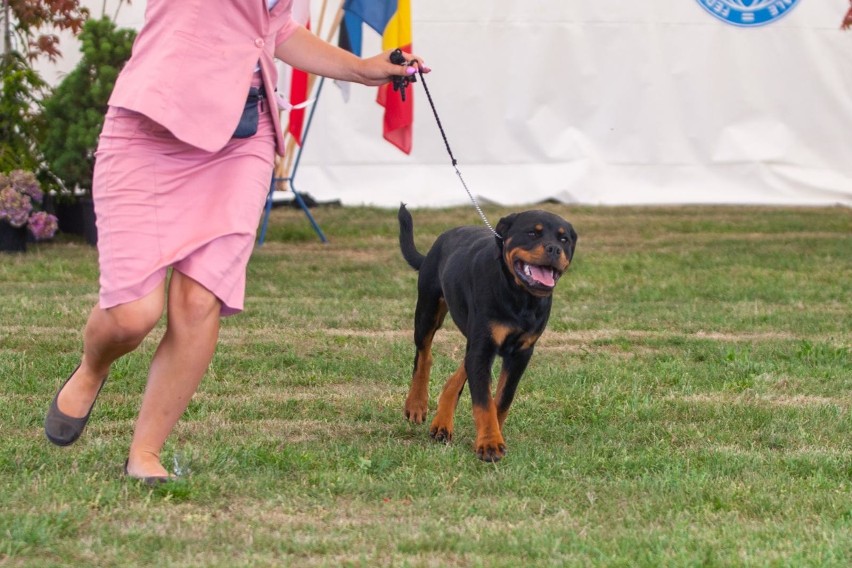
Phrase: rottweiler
(498, 290)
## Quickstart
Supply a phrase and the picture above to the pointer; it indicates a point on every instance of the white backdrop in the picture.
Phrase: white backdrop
(598, 102)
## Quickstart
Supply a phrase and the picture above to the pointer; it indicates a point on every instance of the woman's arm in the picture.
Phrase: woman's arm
(310, 53)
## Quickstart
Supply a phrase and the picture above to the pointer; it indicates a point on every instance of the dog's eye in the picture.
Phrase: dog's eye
(563, 238)
(533, 234)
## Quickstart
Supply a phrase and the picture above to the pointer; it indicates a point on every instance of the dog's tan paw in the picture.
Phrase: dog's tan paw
(492, 450)
(441, 432)
(415, 411)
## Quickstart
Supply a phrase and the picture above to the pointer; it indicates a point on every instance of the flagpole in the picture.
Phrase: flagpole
(321, 16)
(285, 164)
(335, 25)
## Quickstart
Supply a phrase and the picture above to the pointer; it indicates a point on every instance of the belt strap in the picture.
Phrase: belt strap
(256, 93)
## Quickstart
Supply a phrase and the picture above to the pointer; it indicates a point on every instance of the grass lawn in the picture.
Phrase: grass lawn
(688, 405)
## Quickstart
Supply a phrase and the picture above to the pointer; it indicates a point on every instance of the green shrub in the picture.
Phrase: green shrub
(22, 89)
(74, 113)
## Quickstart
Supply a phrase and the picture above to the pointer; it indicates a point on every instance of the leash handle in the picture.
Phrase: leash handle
(453, 158)
(400, 82)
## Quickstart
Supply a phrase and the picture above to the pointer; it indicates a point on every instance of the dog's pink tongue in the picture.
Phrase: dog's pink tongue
(543, 275)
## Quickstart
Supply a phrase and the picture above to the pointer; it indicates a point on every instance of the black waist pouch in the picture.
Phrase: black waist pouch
(247, 126)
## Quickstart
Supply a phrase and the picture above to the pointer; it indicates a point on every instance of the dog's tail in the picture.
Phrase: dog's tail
(406, 239)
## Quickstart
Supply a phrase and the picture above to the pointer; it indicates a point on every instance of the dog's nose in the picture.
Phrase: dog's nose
(553, 250)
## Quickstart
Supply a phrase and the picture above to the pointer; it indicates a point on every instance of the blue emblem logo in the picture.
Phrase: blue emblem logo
(748, 13)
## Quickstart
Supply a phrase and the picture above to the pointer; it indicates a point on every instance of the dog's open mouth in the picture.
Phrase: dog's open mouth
(534, 276)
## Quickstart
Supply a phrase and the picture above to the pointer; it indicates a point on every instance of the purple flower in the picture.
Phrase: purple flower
(15, 207)
(19, 189)
(43, 225)
(26, 183)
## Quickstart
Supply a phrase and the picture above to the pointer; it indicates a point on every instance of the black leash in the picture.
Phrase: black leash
(400, 82)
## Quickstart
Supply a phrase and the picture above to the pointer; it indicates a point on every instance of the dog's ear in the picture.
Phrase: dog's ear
(503, 228)
(573, 236)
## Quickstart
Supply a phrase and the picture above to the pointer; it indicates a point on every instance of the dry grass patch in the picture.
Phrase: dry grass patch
(841, 403)
(284, 431)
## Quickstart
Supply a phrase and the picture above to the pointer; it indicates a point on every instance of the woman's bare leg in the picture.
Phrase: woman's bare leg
(180, 362)
(108, 335)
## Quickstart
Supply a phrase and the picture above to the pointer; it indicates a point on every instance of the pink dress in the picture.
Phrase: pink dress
(172, 189)
(162, 203)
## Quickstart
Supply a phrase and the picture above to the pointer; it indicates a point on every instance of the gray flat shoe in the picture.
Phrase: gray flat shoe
(61, 429)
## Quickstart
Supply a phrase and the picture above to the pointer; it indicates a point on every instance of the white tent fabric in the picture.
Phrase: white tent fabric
(602, 102)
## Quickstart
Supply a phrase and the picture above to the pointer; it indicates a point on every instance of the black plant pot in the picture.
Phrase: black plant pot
(90, 226)
(12, 239)
(78, 218)
(70, 217)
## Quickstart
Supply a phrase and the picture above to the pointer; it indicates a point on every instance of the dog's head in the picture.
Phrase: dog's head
(537, 248)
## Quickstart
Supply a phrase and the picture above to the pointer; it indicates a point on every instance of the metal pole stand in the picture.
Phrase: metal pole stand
(290, 179)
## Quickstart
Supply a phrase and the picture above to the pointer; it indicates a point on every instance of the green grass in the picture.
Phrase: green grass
(688, 405)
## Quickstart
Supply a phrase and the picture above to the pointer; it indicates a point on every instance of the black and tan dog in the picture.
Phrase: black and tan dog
(498, 292)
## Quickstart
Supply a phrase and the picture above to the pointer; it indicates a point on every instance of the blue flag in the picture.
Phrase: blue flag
(349, 37)
(374, 13)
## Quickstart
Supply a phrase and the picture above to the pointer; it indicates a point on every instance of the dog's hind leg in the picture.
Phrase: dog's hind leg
(428, 318)
(442, 424)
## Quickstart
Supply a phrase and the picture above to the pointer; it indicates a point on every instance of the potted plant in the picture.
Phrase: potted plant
(74, 113)
(20, 198)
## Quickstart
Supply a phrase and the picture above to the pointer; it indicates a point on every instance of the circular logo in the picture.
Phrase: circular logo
(748, 13)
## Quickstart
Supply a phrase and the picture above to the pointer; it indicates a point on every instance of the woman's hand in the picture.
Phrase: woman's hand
(378, 70)
(314, 55)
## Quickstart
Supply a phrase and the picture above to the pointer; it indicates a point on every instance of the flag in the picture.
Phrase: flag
(298, 94)
(350, 33)
(392, 19)
(349, 38)
(374, 13)
(299, 79)
(399, 115)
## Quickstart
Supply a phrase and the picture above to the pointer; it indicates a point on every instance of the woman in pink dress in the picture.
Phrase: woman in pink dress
(181, 174)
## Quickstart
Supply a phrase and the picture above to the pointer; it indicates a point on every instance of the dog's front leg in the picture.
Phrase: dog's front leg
(513, 369)
(489, 444)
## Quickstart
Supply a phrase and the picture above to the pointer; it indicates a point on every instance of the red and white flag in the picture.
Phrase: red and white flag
(298, 83)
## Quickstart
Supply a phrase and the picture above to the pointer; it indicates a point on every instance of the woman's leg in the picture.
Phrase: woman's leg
(108, 335)
(178, 366)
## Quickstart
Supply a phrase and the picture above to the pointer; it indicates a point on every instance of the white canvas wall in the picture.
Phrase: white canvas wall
(600, 102)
